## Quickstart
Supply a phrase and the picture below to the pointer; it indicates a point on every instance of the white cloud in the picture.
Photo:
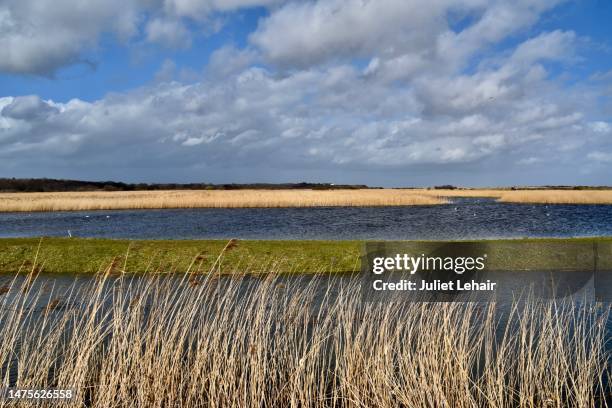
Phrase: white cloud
(600, 127)
(602, 157)
(198, 9)
(411, 105)
(497, 20)
(166, 71)
(169, 32)
(228, 61)
(330, 116)
(531, 160)
(555, 45)
(402, 33)
(307, 33)
(193, 141)
(41, 36)
(28, 108)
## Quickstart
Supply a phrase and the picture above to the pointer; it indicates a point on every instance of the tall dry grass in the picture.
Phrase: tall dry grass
(206, 341)
(557, 196)
(101, 200)
(74, 201)
(529, 196)
(469, 193)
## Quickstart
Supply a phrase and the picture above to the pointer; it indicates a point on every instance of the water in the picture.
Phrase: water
(74, 292)
(464, 218)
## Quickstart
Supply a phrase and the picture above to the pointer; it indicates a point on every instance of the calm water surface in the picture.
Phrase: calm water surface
(462, 219)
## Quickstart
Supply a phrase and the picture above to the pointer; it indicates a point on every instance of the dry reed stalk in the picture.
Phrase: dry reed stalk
(530, 196)
(80, 201)
(469, 193)
(557, 196)
(159, 341)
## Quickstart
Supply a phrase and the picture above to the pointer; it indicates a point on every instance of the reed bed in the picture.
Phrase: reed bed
(109, 200)
(207, 341)
(557, 196)
(543, 196)
(467, 193)
(101, 200)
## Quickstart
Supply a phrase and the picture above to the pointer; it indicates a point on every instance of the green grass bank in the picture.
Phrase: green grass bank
(79, 255)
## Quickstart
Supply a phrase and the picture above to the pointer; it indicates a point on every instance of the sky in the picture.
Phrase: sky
(377, 92)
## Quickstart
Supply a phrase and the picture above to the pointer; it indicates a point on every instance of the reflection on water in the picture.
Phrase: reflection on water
(62, 293)
(462, 219)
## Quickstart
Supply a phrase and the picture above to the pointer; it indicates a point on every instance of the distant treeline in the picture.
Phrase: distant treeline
(55, 185)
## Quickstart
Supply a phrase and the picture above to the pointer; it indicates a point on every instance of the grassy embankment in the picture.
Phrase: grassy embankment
(77, 255)
(107, 200)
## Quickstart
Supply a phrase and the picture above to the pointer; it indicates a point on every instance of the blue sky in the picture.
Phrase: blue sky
(386, 92)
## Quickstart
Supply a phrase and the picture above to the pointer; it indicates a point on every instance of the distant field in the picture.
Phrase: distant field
(103, 200)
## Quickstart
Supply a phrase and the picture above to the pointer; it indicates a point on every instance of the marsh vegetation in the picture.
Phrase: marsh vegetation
(75, 201)
(108, 200)
(203, 340)
(534, 196)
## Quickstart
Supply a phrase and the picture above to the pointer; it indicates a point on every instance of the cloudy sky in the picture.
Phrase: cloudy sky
(382, 92)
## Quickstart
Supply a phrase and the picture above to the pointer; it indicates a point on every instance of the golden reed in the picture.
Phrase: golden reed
(209, 341)
(534, 196)
(74, 201)
(101, 200)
